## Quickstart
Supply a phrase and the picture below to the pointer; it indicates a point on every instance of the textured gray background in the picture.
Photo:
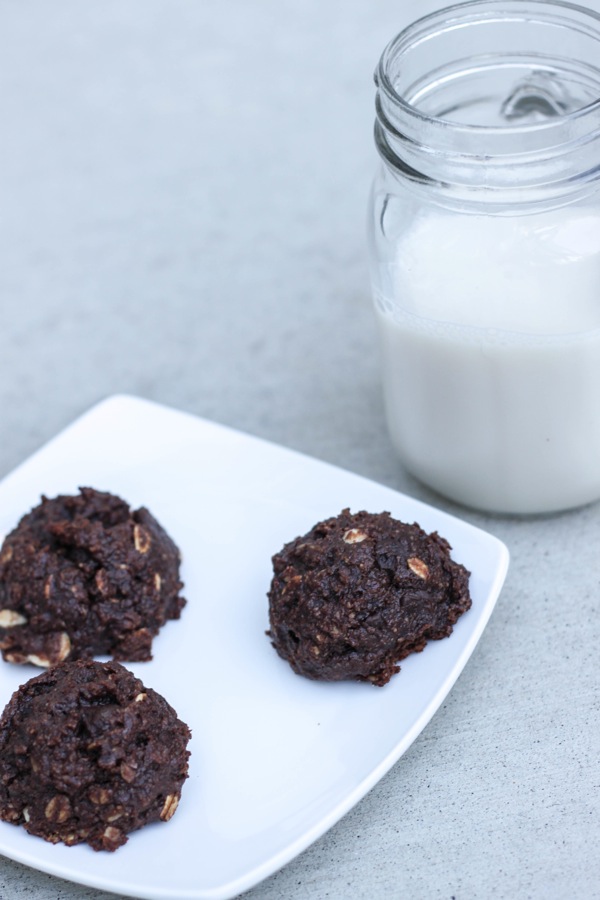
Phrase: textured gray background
(182, 195)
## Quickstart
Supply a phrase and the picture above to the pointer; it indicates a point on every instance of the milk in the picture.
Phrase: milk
(490, 335)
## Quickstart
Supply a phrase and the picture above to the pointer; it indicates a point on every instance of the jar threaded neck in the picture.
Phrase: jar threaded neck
(494, 98)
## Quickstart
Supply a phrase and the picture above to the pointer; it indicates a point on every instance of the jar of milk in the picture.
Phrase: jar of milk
(485, 252)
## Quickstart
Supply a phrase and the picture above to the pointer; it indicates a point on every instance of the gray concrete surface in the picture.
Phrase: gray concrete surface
(182, 195)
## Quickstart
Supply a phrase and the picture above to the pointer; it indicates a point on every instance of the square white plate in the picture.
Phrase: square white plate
(276, 759)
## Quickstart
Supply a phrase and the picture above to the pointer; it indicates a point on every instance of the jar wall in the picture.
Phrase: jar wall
(489, 322)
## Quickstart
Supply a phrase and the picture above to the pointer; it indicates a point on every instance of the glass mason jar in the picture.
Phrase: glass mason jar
(484, 246)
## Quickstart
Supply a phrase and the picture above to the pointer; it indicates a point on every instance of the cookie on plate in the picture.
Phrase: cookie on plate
(85, 575)
(358, 593)
(88, 754)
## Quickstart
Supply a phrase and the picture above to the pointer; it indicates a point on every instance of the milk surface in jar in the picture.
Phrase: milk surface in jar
(485, 256)
(511, 387)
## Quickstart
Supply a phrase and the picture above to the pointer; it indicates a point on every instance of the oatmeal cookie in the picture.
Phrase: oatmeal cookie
(88, 754)
(85, 575)
(359, 592)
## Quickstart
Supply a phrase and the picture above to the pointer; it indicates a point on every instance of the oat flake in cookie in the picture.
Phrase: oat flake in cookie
(360, 592)
(87, 753)
(82, 576)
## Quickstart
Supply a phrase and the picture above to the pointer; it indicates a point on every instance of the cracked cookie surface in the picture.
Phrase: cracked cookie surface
(85, 575)
(359, 593)
(88, 754)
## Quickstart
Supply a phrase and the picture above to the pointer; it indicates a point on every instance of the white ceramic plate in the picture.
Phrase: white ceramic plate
(276, 759)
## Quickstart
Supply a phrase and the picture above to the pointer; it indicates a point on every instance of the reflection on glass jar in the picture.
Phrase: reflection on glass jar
(485, 252)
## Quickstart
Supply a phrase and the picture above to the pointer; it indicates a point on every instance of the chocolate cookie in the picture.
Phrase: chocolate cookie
(87, 753)
(82, 576)
(360, 592)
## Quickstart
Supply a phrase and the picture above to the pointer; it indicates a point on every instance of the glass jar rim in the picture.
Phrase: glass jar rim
(464, 13)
